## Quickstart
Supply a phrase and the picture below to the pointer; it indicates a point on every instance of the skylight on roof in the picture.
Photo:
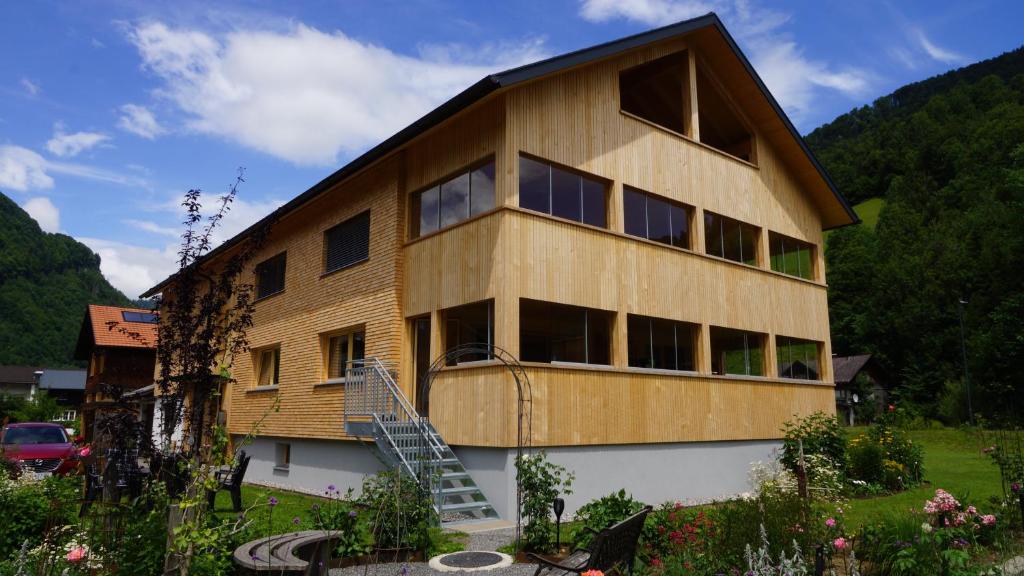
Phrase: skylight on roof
(143, 317)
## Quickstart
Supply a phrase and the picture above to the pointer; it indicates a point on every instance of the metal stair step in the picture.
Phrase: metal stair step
(465, 507)
(460, 490)
(455, 476)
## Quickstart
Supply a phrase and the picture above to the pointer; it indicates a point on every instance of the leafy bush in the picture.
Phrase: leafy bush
(341, 514)
(866, 460)
(785, 516)
(601, 513)
(442, 542)
(819, 433)
(680, 540)
(31, 506)
(142, 548)
(401, 512)
(541, 482)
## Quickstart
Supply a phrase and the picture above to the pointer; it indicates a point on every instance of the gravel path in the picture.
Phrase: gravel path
(491, 539)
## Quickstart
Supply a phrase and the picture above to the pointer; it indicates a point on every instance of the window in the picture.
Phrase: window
(662, 344)
(462, 196)
(268, 366)
(347, 243)
(143, 317)
(730, 239)
(270, 276)
(737, 352)
(655, 218)
(469, 324)
(559, 192)
(720, 126)
(655, 91)
(344, 351)
(797, 358)
(560, 333)
(791, 256)
(282, 455)
(67, 416)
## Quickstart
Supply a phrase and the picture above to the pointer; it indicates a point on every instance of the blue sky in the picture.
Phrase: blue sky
(109, 111)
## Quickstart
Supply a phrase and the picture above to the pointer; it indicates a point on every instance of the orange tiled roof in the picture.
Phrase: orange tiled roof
(103, 335)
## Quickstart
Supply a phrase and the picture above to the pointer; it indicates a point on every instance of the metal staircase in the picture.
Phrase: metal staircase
(376, 407)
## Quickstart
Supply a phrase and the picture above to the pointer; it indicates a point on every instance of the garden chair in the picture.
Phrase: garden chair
(230, 480)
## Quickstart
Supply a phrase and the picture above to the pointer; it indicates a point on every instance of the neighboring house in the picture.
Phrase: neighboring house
(855, 375)
(68, 388)
(21, 381)
(638, 223)
(119, 345)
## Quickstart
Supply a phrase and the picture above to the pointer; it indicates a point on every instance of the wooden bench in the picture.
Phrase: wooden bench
(307, 553)
(611, 549)
(231, 480)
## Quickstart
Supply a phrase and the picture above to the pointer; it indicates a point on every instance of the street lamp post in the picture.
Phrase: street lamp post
(963, 350)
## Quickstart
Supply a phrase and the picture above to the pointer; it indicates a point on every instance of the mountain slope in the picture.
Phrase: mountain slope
(946, 156)
(46, 281)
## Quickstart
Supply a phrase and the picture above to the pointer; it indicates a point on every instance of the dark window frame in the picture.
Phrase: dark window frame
(788, 342)
(587, 313)
(364, 255)
(694, 336)
(584, 176)
(776, 240)
(414, 202)
(688, 210)
(723, 221)
(283, 256)
(747, 349)
(446, 321)
(275, 378)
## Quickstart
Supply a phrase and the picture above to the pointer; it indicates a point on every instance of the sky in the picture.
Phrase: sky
(111, 111)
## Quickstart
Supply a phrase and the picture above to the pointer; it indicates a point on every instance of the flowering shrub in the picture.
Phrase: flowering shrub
(601, 513)
(884, 456)
(541, 482)
(818, 433)
(676, 539)
(341, 514)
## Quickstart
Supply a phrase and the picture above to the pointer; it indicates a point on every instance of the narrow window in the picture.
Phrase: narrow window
(268, 366)
(470, 324)
(550, 189)
(662, 344)
(282, 455)
(347, 243)
(345, 350)
(656, 218)
(655, 91)
(561, 333)
(458, 197)
(797, 358)
(737, 352)
(270, 275)
(791, 256)
(730, 239)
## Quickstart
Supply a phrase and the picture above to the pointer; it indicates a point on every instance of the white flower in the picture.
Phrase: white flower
(926, 528)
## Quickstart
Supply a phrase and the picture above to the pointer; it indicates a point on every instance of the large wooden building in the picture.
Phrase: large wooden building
(638, 223)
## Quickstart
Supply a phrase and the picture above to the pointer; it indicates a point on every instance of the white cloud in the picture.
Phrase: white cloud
(44, 213)
(793, 78)
(68, 145)
(153, 227)
(936, 52)
(140, 121)
(30, 87)
(22, 169)
(306, 95)
(133, 269)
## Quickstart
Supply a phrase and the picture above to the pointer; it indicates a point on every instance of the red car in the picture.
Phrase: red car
(40, 447)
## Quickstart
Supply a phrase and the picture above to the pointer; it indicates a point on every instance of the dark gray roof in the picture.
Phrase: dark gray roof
(17, 374)
(846, 368)
(53, 379)
(493, 82)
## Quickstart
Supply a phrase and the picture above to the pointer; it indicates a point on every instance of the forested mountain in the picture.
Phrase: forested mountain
(947, 156)
(46, 281)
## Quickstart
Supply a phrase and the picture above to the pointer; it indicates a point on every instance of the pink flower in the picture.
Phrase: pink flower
(839, 543)
(972, 510)
(84, 452)
(831, 522)
(988, 520)
(76, 555)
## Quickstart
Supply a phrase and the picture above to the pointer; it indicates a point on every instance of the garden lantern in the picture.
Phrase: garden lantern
(559, 507)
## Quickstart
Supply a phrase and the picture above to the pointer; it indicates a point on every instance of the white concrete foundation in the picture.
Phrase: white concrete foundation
(652, 473)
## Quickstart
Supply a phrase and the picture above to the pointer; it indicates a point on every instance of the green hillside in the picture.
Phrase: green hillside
(945, 159)
(46, 282)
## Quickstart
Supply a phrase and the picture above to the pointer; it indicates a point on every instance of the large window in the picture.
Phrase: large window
(797, 358)
(737, 352)
(347, 243)
(730, 239)
(662, 344)
(560, 333)
(655, 218)
(655, 91)
(457, 198)
(268, 366)
(270, 276)
(791, 256)
(721, 126)
(345, 350)
(143, 317)
(469, 324)
(559, 192)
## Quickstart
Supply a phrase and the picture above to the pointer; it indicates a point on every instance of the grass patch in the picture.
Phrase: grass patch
(869, 210)
(953, 461)
(290, 505)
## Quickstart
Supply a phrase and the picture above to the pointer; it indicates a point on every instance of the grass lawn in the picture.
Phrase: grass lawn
(290, 505)
(868, 211)
(953, 461)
